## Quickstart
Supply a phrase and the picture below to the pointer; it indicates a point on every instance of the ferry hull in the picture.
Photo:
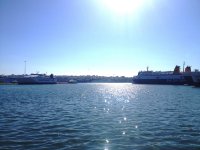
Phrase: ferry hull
(158, 81)
(197, 84)
(188, 80)
(36, 81)
(196, 79)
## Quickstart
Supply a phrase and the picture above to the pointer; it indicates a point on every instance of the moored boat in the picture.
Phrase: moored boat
(37, 79)
(158, 77)
(72, 81)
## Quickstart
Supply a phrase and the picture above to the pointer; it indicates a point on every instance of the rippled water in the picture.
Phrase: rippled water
(99, 116)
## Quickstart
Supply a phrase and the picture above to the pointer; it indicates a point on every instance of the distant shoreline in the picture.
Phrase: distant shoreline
(64, 79)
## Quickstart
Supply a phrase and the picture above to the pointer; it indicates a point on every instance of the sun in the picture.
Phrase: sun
(123, 7)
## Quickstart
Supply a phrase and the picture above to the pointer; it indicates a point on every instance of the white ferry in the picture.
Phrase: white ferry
(37, 79)
(168, 77)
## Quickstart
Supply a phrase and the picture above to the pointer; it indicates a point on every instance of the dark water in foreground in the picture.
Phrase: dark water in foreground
(99, 116)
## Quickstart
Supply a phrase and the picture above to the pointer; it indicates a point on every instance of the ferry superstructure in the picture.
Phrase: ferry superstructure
(37, 79)
(159, 77)
(192, 77)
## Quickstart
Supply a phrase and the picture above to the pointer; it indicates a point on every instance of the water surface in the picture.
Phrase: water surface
(99, 117)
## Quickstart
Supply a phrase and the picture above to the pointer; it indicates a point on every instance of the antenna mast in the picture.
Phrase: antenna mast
(183, 66)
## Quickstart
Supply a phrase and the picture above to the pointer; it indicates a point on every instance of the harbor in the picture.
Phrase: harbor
(99, 75)
(176, 77)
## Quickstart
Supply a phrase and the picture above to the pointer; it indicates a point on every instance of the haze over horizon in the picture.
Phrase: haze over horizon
(102, 37)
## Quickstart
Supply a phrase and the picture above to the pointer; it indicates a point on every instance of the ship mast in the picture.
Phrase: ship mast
(183, 66)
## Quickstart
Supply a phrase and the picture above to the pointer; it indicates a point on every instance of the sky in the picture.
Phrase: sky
(98, 37)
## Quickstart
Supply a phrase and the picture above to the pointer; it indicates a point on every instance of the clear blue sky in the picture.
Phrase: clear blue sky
(75, 37)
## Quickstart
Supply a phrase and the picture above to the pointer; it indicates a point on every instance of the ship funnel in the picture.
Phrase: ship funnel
(51, 76)
(188, 69)
(176, 70)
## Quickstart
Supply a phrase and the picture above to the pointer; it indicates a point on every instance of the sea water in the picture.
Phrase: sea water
(99, 117)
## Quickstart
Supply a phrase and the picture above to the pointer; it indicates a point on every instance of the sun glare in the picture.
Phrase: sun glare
(123, 7)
